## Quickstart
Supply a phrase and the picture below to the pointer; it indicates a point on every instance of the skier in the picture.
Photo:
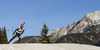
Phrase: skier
(18, 32)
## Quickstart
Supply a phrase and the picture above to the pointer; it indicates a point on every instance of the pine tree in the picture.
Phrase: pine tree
(44, 32)
(3, 36)
(0, 36)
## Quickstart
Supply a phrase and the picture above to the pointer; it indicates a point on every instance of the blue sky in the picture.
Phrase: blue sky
(55, 13)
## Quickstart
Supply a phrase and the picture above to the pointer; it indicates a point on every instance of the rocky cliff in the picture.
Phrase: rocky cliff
(88, 20)
(78, 26)
(57, 33)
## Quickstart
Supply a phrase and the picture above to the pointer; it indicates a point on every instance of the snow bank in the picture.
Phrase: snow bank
(47, 47)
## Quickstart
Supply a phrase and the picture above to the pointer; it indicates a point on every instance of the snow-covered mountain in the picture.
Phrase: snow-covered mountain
(88, 20)
(77, 26)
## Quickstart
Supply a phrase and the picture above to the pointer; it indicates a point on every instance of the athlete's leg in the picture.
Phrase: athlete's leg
(13, 38)
(19, 36)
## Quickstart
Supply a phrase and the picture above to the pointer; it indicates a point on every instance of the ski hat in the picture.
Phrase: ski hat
(22, 24)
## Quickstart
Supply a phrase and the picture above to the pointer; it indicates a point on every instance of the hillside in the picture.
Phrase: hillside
(29, 39)
(81, 38)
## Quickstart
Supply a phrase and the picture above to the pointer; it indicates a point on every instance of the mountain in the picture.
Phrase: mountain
(92, 29)
(91, 19)
(88, 20)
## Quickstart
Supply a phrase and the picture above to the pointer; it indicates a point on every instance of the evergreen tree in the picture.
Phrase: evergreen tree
(0, 36)
(3, 36)
(44, 32)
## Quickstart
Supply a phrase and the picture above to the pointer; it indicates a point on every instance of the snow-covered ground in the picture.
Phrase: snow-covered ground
(36, 46)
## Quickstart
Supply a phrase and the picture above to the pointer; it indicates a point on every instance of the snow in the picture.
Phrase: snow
(36, 46)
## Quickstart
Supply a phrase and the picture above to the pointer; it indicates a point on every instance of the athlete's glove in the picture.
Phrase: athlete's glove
(12, 34)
